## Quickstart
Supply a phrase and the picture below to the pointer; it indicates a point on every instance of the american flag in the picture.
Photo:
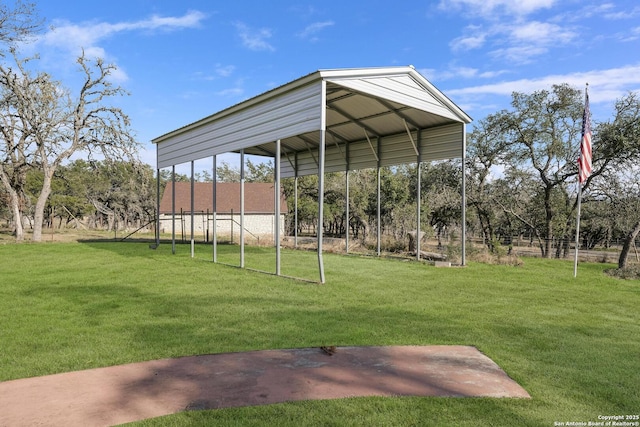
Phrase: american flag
(584, 162)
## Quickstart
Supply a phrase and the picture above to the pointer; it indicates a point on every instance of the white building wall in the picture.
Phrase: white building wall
(257, 226)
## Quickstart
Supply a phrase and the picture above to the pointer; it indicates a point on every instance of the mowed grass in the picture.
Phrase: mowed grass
(572, 343)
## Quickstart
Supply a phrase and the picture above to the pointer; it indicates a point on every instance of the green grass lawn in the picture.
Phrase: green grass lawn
(572, 343)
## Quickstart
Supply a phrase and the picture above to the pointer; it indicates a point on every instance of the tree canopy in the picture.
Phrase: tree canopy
(43, 124)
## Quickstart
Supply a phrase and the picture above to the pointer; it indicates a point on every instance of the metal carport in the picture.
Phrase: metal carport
(329, 121)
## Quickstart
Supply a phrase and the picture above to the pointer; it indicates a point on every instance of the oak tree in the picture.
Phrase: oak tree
(43, 124)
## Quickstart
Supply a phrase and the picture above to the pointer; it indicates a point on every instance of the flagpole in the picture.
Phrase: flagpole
(584, 168)
(575, 260)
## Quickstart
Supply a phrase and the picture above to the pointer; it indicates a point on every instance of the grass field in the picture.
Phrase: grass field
(572, 343)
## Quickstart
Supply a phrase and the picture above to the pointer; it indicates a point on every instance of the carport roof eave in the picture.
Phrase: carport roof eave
(464, 117)
(317, 76)
(302, 81)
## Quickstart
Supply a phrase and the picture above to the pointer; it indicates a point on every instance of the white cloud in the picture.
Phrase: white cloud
(71, 39)
(224, 70)
(468, 42)
(466, 72)
(454, 72)
(506, 30)
(230, 92)
(600, 9)
(631, 35)
(254, 39)
(311, 30)
(519, 54)
(623, 14)
(69, 36)
(219, 71)
(542, 33)
(118, 75)
(233, 92)
(492, 74)
(430, 73)
(604, 85)
(517, 43)
(491, 8)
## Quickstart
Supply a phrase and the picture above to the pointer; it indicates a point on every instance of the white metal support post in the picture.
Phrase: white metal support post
(173, 209)
(464, 195)
(157, 207)
(379, 235)
(321, 151)
(346, 204)
(277, 207)
(242, 208)
(192, 209)
(418, 198)
(214, 233)
(346, 201)
(295, 203)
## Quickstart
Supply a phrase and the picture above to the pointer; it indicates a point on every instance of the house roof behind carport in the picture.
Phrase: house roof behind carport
(259, 198)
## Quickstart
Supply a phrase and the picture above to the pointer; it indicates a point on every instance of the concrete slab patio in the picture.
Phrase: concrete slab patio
(125, 393)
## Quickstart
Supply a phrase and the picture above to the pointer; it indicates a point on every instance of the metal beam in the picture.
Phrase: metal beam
(277, 206)
(378, 203)
(339, 149)
(309, 144)
(287, 152)
(336, 135)
(289, 160)
(339, 137)
(321, 152)
(295, 197)
(346, 204)
(375, 154)
(287, 147)
(214, 234)
(346, 172)
(193, 242)
(265, 151)
(418, 200)
(157, 207)
(411, 138)
(397, 111)
(347, 94)
(354, 120)
(464, 195)
(362, 119)
(173, 209)
(242, 208)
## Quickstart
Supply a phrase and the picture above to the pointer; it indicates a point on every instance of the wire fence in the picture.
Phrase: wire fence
(451, 248)
(562, 249)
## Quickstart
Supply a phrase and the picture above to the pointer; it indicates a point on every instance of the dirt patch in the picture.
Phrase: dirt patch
(628, 273)
(73, 235)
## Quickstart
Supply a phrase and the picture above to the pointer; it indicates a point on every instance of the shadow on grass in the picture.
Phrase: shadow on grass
(295, 264)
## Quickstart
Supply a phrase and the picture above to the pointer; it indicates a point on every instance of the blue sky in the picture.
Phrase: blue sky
(184, 60)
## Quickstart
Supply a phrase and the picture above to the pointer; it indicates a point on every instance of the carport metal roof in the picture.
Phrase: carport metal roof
(372, 117)
(329, 121)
